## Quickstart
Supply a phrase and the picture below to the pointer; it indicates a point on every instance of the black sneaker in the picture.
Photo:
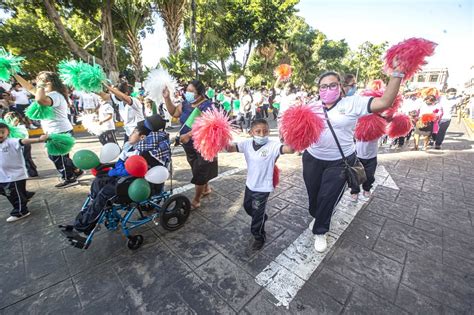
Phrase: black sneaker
(79, 174)
(258, 244)
(67, 183)
(29, 195)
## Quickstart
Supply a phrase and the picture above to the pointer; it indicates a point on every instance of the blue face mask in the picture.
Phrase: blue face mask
(351, 91)
(189, 97)
(260, 140)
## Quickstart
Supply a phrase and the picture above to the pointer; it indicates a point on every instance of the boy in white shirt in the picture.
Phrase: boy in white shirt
(13, 172)
(106, 119)
(261, 155)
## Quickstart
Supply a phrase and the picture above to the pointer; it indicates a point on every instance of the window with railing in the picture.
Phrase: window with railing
(434, 78)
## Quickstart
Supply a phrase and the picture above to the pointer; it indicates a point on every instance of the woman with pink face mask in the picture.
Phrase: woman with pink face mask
(323, 162)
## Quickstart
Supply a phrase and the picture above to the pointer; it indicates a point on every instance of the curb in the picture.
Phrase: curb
(76, 129)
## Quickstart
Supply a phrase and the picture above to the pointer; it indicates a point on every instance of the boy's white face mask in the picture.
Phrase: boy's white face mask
(260, 140)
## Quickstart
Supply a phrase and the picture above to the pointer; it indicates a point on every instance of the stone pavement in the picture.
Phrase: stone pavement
(408, 250)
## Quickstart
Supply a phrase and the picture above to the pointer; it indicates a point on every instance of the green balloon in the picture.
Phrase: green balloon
(236, 105)
(85, 159)
(211, 93)
(276, 105)
(220, 97)
(139, 190)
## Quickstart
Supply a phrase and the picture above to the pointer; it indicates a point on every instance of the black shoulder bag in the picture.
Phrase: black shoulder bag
(355, 175)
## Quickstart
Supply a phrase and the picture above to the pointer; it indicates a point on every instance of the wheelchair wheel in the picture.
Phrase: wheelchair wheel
(135, 241)
(174, 212)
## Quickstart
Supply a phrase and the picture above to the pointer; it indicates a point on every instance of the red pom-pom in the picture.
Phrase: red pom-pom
(370, 127)
(276, 176)
(392, 110)
(136, 166)
(212, 132)
(400, 126)
(427, 118)
(300, 127)
(283, 72)
(410, 56)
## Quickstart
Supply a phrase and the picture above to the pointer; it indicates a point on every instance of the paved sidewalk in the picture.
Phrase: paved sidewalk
(408, 250)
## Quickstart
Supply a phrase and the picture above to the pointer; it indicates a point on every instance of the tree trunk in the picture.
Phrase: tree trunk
(224, 68)
(247, 55)
(109, 54)
(172, 14)
(73, 46)
(136, 55)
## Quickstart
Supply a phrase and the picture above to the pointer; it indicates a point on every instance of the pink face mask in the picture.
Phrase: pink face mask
(329, 96)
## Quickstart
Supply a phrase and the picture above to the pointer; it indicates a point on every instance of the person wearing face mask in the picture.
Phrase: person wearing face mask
(50, 91)
(203, 171)
(448, 104)
(261, 155)
(350, 85)
(323, 161)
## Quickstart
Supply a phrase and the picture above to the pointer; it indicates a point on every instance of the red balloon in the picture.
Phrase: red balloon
(136, 166)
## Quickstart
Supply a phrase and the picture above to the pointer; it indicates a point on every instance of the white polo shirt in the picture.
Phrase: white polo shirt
(12, 162)
(367, 149)
(131, 114)
(105, 110)
(60, 123)
(343, 117)
(260, 164)
(447, 106)
(21, 97)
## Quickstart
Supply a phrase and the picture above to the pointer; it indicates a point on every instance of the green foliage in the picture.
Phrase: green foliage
(368, 61)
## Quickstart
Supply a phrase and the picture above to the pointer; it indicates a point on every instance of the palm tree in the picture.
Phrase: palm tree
(135, 14)
(172, 13)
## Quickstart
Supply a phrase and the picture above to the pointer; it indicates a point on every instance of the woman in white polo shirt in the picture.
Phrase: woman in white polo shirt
(322, 161)
(50, 91)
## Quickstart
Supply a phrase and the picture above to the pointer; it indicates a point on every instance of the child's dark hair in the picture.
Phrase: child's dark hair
(56, 83)
(199, 86)
(327, 74)
(259, 121)
(4, 126)
(142, 130)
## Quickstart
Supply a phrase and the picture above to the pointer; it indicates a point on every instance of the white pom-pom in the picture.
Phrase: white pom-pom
(240, 81)
(91, 123)
(155, 83)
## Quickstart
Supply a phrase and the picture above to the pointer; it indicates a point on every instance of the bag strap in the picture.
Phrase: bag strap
(334, 135)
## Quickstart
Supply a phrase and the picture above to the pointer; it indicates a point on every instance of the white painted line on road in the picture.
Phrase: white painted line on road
(187, 187)
(289, 271)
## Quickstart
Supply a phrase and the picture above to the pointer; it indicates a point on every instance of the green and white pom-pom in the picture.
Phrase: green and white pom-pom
(9, 64)
(82, 76)
(14, 132)
(59, 144)
(38, 112)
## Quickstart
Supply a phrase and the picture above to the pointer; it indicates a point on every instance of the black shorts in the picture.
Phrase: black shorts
(20, 109)
(203, 171)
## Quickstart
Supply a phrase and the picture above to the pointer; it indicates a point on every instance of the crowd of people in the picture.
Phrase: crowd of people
(336, 98)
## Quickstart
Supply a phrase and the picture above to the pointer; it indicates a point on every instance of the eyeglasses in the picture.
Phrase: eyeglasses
(331, 86)
(349, 85)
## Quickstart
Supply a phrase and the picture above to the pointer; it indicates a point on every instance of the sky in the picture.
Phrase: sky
(448, 23)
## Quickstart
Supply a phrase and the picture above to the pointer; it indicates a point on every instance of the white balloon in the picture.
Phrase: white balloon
(109, 152)
(157, 175)
(240, 81)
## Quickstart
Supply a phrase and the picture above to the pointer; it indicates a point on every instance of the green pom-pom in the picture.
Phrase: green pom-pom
(37, 112)
(9, 64)
(15, 132)
(69, 72)
(59, 144)
(82, 76)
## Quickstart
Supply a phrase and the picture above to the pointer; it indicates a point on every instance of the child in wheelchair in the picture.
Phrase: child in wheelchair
(148, 140)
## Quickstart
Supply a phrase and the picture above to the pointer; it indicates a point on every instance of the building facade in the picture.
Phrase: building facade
(469, 85)
(435, 77)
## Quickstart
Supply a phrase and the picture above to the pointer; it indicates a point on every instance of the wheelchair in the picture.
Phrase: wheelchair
(169, 210)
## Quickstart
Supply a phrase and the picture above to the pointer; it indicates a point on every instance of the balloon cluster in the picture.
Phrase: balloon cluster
(136, 166)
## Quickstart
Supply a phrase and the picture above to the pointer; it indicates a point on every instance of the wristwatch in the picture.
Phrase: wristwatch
(397, 74)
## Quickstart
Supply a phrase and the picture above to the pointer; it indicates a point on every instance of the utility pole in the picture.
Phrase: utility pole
(193, 36)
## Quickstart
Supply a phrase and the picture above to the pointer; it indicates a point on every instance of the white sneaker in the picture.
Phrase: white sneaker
(311, 224)
(354, 197)
(320, 242)
(33, 127)
(367, 194)
(13, 218)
